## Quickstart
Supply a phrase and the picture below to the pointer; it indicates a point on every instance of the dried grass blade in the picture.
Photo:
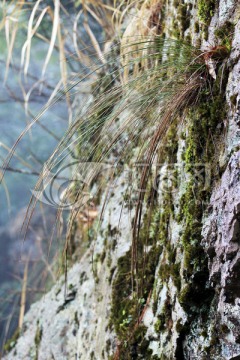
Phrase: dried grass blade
(64, 73)
(27, 44)
(29, 37)
(75, 35)
(23, 295)
(94, 42)
(7, 196)
(56, 21)
(10, 49)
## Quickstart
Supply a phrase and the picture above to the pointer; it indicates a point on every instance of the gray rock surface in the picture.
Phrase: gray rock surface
(73, 323)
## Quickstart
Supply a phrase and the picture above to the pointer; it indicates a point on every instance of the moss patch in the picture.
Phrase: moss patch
(130, 293)
(206, 10)
(10, 344)
(164, 320)
(37, 339)
(225, 34)
(203, 130)
(127, 305)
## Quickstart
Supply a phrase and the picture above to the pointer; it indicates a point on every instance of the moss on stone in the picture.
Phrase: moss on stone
(176, 275)
(175, 31)
(202, 130)
(10, 344)
(123, 301)
(182, 21)
(233, 99)
(183, 18)
(180, 327)
(164, 319)
(37, 339)
(225, 34)
(204, 123)
(206, 10)
(160, 324)
(102, 256)
(127, 304)
(196, 27)
(170, 269)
